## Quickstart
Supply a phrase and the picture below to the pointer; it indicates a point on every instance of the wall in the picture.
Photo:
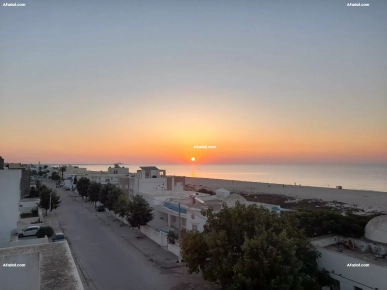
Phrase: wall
(337, 262)
(118, 170)
(124, 185)
(175, 183)
(72, 170)
(152, 234)
(150, 184)
(195, 218)
(20, 278)
(175, 249)
(9, 205)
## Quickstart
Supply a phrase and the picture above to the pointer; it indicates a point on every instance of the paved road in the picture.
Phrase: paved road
(106, 260)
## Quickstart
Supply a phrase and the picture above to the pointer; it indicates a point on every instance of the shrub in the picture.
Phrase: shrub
(45, 231)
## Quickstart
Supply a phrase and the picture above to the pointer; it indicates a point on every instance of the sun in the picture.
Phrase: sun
(193, 159)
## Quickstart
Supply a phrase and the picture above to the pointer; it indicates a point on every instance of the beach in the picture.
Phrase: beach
(366, 201)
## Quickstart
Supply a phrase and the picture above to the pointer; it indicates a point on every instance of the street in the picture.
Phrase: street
(105, 259)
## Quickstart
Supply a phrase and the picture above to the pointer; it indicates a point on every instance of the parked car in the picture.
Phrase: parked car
(30, 231)
(58, 237)
(100, 208)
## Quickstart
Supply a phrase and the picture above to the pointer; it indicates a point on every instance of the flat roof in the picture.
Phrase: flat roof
(358, 254)
(149, 168)
(57, 267)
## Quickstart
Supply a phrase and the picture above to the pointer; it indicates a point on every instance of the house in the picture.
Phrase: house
(118, 170)
(181, 210)
(9, 205)
(150, 178)
(71, 170)
(356, 264)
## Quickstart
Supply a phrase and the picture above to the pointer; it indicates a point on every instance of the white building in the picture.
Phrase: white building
(74, 170)
(150, 178)
(118, 170)
(9, 205)
(356, 264)
(105, 178)
(175, 210)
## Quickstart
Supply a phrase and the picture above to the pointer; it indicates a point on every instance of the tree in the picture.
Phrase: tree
(93, 191)
(47, 194)
(34, 172)
(45, 166)
(75, 180)
(249, 247)
(55, 176)
(172, 237)
(45, 231)
(83, 186)
(112, 197)
(121, 207)
(103, 195)
(40, 173)
(325, 222)
(139, 212)
(63, 170)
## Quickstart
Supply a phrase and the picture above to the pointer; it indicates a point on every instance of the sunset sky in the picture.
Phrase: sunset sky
(126, 81)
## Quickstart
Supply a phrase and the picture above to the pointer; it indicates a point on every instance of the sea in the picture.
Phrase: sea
(349, 176)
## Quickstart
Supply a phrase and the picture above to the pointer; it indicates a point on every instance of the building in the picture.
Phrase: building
(150, 172)
(9, 205)
(1, 163)
(72, 170)
(356, 264)
(181, 210)
(105, 178)
(24, 180)
(48, 266)
(150, 178)
(118, 170)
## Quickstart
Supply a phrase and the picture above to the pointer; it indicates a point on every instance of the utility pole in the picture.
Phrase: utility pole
(179, 234)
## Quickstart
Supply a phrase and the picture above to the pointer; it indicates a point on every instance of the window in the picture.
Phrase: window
(194, 227)
(173, 219)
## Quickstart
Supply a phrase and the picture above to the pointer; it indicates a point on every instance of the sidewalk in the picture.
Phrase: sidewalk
(147, 247)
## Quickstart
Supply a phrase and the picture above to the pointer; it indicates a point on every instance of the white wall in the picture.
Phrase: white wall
(151, 233)
(373, 276)
(175, 249)
(9, 203)
(150, 184)
(118, 170)
(195, 218)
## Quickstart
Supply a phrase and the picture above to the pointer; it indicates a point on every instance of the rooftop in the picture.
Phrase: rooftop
(56, 266)
(149, 168)
(357, 253)
(361, 249)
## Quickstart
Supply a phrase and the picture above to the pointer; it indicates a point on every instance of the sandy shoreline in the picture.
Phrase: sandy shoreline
(366, 200)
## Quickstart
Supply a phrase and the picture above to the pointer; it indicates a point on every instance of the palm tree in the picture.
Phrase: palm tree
(62, 169)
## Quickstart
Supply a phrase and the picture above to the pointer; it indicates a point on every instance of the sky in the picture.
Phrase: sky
(146, 81)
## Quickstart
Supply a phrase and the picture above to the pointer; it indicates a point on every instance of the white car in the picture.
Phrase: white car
(30, 231)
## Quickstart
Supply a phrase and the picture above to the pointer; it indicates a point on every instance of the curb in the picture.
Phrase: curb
(135, 246)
